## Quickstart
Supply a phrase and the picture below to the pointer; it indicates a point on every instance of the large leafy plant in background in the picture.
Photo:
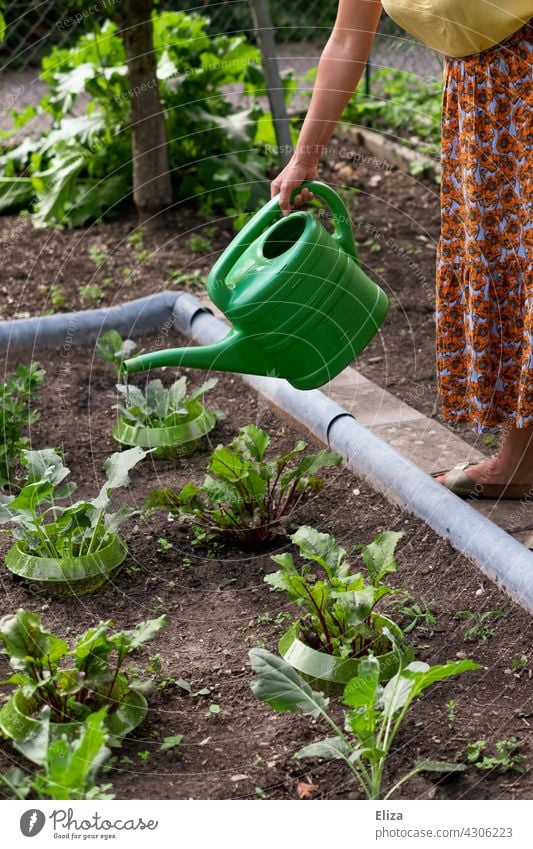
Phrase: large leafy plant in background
(82, 167)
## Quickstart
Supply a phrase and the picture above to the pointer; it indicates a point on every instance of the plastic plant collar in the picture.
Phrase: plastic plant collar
(329, 673)
(68, 575)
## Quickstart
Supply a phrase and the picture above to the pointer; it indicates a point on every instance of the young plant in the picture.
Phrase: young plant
(16, 396)
(57, 688)
(49, 529)
(167, 420)
(506, 759)
(68, 766)
(91, 294)
(479, 629)
(374, 716)
(418, 612)
(248, 497)
(114, 350)
(338, 603)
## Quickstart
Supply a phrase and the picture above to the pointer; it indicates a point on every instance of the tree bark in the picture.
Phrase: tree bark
(152, 187)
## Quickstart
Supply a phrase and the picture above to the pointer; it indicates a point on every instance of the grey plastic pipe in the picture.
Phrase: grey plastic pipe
(502, 558)
(144, 315)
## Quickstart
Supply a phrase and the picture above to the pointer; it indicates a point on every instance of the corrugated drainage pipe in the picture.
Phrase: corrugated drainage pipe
(144, 315)
(502, 558)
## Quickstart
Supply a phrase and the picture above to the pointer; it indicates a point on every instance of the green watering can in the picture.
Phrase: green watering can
(299, 303)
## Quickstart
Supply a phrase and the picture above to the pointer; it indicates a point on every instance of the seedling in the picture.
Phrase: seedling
(200, 244)
(419, 612)
(519, 665)
(507, 757)
(338, 603)
(451, 707)
(136, 238)
(191, 278)
(247, 497)
(144, 756)
(374, 715)
(57, 297)
(163, 545)
(479, 630)
(91, 294)
(16, 413)
(213, 710)
(114, 350)
(171, 742)
(98, 255)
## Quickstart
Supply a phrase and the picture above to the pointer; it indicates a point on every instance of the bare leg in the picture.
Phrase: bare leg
(512, 464)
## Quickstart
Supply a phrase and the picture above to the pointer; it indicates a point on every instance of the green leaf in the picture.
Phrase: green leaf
(322, 548)
(171, 742)
(281, 687)
(256, 440)
(72, 766)
(45, 465)
(144, 631)
(15, 192)
(440, 766)
(378, 556)
(156, 399)
(330, 749)
(24, 637)
(364, 690)
(116, 468)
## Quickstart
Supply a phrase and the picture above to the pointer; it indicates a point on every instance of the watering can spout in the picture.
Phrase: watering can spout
(227, 355)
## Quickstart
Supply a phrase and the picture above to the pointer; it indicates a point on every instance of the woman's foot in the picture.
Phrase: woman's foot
(513, 465)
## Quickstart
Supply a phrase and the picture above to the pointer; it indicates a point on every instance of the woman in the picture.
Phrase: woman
(484, 280)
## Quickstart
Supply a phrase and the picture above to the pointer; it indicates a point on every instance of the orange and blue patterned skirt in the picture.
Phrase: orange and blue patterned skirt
(485, 254)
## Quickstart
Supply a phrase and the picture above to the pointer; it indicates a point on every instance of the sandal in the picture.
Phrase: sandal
(458, 482)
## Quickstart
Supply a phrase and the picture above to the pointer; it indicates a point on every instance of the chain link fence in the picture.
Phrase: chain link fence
(301, 30)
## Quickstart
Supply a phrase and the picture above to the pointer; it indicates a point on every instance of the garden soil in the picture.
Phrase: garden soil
(218, 603)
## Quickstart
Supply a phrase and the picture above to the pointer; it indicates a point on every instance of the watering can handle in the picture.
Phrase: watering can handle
(219, 292)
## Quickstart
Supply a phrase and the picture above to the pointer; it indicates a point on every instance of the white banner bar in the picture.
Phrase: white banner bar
(269, 824)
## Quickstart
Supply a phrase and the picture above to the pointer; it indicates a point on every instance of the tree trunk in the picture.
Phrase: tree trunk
(152, 188)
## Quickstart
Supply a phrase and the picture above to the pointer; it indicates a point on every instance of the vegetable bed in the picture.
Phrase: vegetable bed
(219, 607)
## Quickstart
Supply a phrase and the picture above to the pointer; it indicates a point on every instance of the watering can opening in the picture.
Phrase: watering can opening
(283, 236)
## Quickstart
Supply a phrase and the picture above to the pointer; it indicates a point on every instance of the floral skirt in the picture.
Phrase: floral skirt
(485, 254)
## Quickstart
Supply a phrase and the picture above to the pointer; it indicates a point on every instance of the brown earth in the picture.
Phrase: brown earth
(219, 608)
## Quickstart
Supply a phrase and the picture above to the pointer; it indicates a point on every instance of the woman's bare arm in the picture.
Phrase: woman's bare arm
(340, 68)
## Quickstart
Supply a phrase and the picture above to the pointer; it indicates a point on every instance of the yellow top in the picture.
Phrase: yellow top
(460, 27)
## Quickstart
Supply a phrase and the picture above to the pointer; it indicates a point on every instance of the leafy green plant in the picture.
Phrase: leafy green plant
(57, 297)
(248, 497)
(81, 167)
(167, 420)
(45, 527)
(16, 396)
(98, 254)
(400, 102)
(418, 612)
(451, 708)
(58, 689)
(112, 348)
(69, 766)
(479, 629)
(519, 665)
(337, 601)
(374, 716)
(201, 243)
(91, 294)
(507, 756)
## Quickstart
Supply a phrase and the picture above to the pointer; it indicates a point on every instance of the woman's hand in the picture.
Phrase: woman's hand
(294, 173)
